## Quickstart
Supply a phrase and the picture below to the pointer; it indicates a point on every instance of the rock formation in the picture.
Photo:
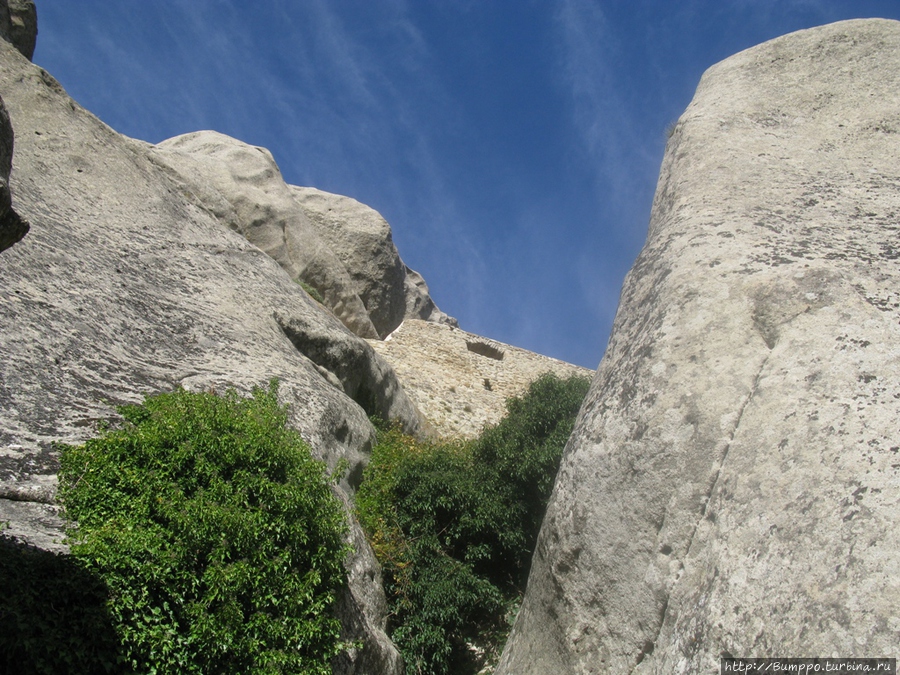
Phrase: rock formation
(361, 240)
(461, 381)
(129, 284)
(731, 484)
(12, 227)
(338, 246)
(18, 25)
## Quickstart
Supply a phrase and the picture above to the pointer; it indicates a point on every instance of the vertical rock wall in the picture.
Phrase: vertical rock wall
(732, 483)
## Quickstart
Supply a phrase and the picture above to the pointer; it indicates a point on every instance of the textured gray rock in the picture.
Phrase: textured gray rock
(18, 25)
(127, 286)
(362, 240)
(731, 484)
(12, 227)
(419, 304)
(364, 611)
(338, 246)
(243, 187)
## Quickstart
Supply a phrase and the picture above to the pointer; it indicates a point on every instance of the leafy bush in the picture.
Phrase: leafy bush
(519, 459)
(454, 525)
(216, 533)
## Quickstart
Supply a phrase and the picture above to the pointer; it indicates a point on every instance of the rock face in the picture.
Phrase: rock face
(18, 25)
(12, 227)
(338, 246)
(128, 285)
(731, 485)
(460, 381)
(361, 239)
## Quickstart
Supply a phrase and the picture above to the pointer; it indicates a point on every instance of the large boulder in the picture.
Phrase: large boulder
(362, 240)
(127, 287)
(242, 185)
(339, 247)
(731, 484)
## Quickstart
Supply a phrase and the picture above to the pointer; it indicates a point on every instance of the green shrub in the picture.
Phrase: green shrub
(216, 533)
(454, 525)
(518, 459)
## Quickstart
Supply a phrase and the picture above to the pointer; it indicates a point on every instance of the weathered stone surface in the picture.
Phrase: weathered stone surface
(338, 246)
(362, 240)
(461, 381)
(18, 25)
(12, 227)
(419, 304)
(732, 482)
(128, 286)
(243, 186)
(364, 611)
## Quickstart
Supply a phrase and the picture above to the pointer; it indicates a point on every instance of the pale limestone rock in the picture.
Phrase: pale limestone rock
(732, 482)
(12, 227)
(128, 286)
(461, 381)
(361, 239)
(419, 304)
(242, 185)
(338, 246)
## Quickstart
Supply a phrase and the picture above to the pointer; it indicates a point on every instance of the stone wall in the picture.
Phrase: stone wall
(458, 380)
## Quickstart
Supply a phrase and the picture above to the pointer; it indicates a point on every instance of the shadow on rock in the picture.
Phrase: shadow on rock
(53, 616)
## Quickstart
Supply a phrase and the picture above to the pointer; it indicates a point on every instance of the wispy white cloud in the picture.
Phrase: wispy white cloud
(589, 56)
(620, 151)
(358, 106)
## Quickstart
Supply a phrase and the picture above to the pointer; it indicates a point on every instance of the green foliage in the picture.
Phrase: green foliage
(313, 292)
(454, 525)
(216, 533)
(520, 457)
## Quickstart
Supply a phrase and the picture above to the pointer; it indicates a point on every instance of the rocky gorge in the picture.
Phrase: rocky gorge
(131, 269)
(731, 484)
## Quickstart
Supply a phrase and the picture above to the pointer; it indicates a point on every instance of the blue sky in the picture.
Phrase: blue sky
(513, 145)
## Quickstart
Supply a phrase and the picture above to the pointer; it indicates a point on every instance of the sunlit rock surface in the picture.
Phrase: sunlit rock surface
(732, 483)
(127, 286)
(461, 381)
(339, 247)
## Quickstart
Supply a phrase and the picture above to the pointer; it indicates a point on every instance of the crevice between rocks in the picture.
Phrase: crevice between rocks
(352, 366)
(12, 228)
(649, 645)
(341, 366)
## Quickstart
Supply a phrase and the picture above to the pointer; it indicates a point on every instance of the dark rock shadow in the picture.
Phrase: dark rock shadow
(53, 616)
